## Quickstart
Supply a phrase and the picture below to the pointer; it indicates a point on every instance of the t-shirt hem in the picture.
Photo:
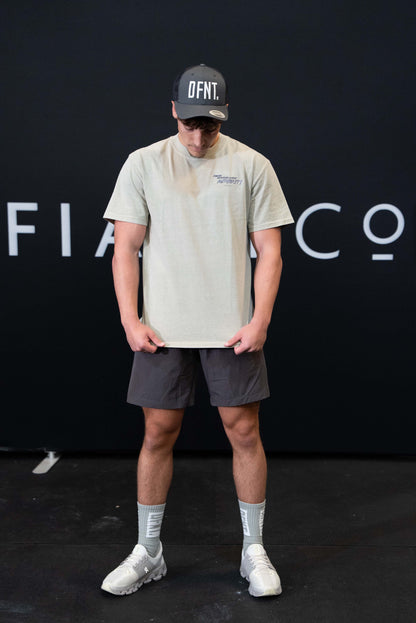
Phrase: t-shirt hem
(195, 344)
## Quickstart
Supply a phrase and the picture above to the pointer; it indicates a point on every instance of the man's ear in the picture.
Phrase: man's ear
(174, 115)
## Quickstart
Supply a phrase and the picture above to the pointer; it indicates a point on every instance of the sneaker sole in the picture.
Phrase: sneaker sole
(270, 592)
(156, 575)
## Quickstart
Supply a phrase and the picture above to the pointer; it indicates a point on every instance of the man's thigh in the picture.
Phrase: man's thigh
(234, 380)
(243, 415)
(164, 379)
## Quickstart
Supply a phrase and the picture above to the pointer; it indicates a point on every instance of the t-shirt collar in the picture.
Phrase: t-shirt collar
(211, 153)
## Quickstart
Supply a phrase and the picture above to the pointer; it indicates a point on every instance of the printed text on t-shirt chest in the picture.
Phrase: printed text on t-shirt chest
(228, 180)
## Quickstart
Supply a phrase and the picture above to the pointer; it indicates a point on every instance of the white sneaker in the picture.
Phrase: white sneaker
(259, 571)
(137, 569)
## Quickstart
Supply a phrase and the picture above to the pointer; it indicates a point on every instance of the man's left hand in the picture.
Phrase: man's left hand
(250, 338)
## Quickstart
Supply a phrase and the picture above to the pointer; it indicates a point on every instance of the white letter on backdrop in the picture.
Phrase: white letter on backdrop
(299, 231)
(108, 238)
(14, 228)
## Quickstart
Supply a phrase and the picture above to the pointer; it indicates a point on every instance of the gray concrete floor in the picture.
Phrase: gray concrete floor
(340, 530)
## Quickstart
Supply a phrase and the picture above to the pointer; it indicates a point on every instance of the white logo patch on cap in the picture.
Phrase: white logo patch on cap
(202, 89)
(217, 113)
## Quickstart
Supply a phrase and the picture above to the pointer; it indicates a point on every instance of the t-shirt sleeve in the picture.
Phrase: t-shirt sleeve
(128, 201)
(268, 205)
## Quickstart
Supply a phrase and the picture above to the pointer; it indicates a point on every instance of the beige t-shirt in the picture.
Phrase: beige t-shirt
(196, 255)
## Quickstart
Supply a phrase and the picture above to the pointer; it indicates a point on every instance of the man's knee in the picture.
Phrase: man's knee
(245, 435)
(241, 425)
(161, 429)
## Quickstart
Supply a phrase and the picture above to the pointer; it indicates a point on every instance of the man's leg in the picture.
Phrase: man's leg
(154, 475)
(241, 425)
(155, 464)
(154, 472)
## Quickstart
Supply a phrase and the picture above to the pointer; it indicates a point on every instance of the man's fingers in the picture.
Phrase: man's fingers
(153, 338)
(150, 344)
(240, 348)
(149, 347)
(153, 343)
(233, 340)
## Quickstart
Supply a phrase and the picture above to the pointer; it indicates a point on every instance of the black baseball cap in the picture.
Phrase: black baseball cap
(200, 91)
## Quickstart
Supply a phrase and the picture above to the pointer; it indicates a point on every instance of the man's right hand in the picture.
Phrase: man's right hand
(143, 339)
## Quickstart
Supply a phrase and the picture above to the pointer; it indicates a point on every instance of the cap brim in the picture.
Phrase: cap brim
(187, 111)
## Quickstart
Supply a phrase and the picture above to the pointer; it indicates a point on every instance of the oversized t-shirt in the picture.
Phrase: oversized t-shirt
(196, 268)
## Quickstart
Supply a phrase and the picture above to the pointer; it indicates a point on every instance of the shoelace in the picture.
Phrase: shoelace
(132, 559)
(260, 561)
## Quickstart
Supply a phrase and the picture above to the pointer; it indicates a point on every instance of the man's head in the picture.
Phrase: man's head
(200, 104)
(198, 134)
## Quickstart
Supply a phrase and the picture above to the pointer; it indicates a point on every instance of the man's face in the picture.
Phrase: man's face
(197, 140)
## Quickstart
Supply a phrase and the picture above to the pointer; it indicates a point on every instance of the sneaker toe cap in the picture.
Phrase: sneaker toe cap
(265, 582)
(121, 579)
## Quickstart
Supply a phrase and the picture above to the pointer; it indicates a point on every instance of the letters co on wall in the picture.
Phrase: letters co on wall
(366, 226)
(380, 243)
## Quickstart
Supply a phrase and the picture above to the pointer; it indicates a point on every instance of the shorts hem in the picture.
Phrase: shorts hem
(148, 403)
(242, 401)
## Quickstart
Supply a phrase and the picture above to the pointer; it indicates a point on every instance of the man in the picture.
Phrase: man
(194, 201)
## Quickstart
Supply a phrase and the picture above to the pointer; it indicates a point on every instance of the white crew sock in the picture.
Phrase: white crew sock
(150, 523)
(252, 517)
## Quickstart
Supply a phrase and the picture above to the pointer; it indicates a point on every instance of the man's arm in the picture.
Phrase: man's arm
(128, 238)
(268, 270)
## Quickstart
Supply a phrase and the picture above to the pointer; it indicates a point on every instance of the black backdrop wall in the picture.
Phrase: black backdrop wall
(326, 91)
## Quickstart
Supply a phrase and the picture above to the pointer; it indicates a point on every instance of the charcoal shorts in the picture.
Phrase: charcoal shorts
(167, 379)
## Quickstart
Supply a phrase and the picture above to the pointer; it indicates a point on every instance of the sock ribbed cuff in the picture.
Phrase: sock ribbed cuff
(252, 519)
(150, 522)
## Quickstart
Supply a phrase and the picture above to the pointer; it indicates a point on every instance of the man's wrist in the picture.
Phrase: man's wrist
(261, 322)
(130, 321)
